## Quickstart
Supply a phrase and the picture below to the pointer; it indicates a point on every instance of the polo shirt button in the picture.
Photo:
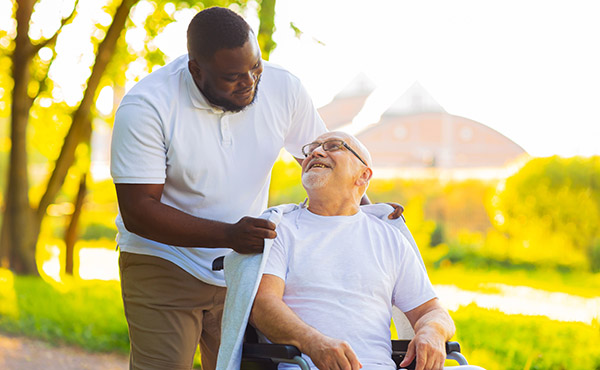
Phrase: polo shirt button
(225, 131)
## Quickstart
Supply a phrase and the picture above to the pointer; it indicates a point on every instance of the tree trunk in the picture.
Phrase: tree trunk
(266, 14)
(17, 249)
(21, 225)
(71, 233)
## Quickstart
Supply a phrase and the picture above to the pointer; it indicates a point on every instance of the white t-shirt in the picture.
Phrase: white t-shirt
(343, 274)
(213, 165)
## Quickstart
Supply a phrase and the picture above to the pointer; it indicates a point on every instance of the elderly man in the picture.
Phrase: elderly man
(334, 273)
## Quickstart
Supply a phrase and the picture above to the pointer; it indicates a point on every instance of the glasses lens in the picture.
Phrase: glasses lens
(332, 145)
(309, 148)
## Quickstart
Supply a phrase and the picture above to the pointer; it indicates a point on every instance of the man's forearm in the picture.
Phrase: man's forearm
(162, 223)
(438, 320)
(144, 214)
(280, 324)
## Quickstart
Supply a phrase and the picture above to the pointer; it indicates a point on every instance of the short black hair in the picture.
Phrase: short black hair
(213, 29)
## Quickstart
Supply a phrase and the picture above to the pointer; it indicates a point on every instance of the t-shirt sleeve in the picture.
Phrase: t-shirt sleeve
(138, 151)
(277, 261)
(412, 287)
(306, 124)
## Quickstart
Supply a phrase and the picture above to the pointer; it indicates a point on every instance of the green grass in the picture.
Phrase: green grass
(583, 284)
(516, 342)
(89, 314)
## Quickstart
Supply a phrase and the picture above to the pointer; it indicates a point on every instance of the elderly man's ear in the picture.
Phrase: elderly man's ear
(365, 176)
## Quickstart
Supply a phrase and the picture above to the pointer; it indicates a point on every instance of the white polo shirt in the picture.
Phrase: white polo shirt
(213, 165)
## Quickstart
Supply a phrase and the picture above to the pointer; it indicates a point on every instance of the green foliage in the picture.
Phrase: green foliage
(96, 231)
(549, 212)
(286, 183)
(514, 342)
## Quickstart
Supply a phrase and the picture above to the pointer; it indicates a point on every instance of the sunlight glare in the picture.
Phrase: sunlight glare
(105, 101)
(52, 266)
(136, 39)
(45, 102)
(169, 9)
(45, 54)
(98, 263)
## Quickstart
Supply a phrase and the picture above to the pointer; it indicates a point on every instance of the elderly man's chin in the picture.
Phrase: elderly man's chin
(312, 180)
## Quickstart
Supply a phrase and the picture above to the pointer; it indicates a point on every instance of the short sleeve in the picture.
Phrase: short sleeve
(138, 150)
(306, 124)
(277, 261)
(412, 287)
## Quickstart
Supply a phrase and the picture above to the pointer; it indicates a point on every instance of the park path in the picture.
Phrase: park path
(19, 353)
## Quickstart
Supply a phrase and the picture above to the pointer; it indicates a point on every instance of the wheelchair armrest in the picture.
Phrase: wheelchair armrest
(399, 348)
(271, 355)
(267, 350)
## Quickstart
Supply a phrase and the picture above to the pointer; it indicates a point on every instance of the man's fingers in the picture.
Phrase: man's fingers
(351, 356)
(397, 212)
(421, 362)
(264, 224)
(410, 355)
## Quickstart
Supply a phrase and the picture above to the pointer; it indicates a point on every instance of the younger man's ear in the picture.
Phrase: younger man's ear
(195, 69)
(365, 176)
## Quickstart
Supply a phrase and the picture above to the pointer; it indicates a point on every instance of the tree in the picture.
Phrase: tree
(550, 212)
(33, 102)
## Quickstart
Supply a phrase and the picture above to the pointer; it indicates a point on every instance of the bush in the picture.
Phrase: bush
(497, 341)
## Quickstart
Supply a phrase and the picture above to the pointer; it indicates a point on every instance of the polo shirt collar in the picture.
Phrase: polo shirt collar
(198, 99)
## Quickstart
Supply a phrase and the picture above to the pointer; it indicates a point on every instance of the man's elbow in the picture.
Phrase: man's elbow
(129, 221)
(256, 313)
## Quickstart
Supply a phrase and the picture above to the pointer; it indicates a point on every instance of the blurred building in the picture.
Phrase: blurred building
(416, 137)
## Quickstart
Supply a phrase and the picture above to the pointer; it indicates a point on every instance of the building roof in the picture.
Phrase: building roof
(347, 103)
(416, 133)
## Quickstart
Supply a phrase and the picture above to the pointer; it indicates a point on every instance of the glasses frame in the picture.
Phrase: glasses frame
(337, 147)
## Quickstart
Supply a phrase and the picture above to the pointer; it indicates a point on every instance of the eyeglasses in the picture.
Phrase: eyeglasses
(329, 146)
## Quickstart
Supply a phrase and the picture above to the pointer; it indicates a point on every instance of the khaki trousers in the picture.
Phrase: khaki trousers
(169, 312)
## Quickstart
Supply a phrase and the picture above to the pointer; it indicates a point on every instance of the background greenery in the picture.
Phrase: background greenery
(461, 241)
(539, 228)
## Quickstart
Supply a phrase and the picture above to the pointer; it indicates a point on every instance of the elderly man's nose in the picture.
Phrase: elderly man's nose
(319, 152)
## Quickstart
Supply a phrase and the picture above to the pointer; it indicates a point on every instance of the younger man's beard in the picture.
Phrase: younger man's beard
(225, 104)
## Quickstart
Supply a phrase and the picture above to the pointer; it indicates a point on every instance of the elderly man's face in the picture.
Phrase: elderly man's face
(339, 167)
(230, 79)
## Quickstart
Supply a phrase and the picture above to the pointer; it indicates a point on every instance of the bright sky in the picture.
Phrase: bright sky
(528, 68)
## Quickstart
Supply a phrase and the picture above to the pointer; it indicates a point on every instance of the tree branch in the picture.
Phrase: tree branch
(81, 117)
(63, 23)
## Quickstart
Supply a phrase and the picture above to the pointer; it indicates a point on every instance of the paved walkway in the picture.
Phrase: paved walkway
(18, 353)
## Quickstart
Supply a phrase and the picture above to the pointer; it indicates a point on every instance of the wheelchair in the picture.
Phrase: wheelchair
(267, 356)
(257, 355)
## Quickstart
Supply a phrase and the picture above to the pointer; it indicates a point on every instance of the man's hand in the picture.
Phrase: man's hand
(329, 353)
(429, 347)
(397, 212)
(247, 235)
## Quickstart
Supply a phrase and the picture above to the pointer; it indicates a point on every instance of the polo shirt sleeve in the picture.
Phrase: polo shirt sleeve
(306, 124)
(412, 287)
(138, 150)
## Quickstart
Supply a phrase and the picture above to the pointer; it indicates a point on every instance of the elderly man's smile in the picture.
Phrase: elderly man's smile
(318, 165)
